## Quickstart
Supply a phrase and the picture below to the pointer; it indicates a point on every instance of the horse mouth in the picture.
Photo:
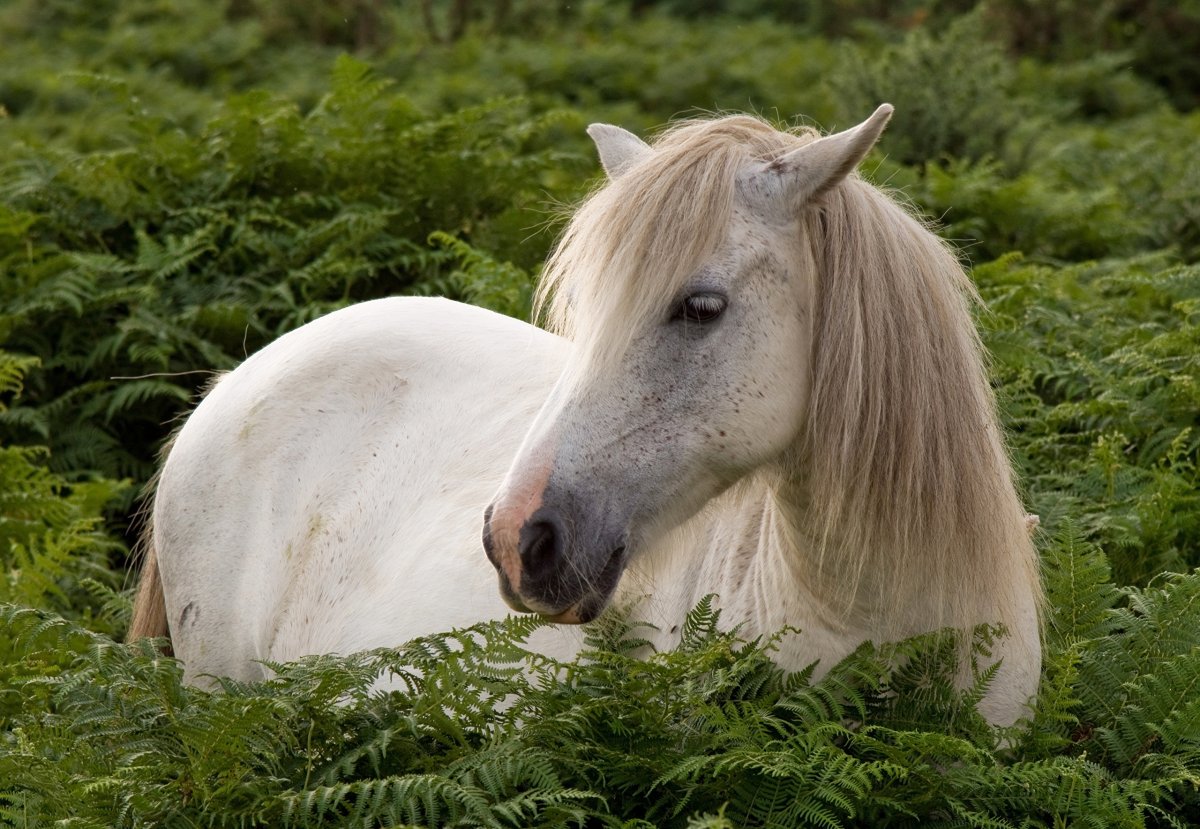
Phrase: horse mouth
(579, 610)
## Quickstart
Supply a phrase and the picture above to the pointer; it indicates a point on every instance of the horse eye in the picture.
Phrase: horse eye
(701, 307)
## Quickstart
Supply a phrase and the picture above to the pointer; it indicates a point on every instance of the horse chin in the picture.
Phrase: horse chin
(581, 612)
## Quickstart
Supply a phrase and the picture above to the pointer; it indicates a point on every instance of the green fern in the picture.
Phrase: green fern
(169, 205)
(674, 739)
(13, 368)
(481, 280)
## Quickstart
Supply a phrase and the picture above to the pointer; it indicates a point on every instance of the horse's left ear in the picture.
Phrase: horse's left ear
(619, 148)
(805, 173)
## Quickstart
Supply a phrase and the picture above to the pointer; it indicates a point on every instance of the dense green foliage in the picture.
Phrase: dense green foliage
(711, 734)
(182, 182)
(193, 248)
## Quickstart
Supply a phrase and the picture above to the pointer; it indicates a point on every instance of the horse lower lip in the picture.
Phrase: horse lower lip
(579, 613)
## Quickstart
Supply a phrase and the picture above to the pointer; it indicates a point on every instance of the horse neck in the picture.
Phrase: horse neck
(761, 556)
(768, 565)
(742, 547)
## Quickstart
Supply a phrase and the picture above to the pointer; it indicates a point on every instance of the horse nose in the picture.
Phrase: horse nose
(541, 546)
(489, 544)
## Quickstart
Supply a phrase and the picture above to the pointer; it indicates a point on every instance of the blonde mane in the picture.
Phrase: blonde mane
(907, 485)
(903, 437)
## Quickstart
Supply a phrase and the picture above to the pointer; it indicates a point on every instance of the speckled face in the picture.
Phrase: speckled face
(712, 388)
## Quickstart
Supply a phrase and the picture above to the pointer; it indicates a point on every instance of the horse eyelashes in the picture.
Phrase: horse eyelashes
(703, 307)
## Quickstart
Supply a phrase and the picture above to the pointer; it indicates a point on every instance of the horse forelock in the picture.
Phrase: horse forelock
(908, 475)
(634, 243)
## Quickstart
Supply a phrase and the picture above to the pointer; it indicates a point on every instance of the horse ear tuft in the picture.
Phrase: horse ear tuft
(619, 148)
(808, 171)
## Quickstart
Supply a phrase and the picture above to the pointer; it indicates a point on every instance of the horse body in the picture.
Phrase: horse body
(768, 387)
(326, 496)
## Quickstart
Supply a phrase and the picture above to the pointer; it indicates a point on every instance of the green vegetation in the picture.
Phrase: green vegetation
(183, 182)
(710, 735)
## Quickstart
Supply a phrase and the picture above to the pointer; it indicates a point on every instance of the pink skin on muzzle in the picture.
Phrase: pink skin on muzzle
(507, 516)
(519, 499)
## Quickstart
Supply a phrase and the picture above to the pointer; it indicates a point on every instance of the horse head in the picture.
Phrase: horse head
(688, 286)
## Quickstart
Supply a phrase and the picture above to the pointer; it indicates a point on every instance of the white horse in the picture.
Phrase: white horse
(765, 384)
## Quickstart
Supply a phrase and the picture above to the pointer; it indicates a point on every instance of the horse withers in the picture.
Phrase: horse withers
(761, 380)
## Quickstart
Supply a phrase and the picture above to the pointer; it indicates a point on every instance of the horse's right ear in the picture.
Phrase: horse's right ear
(619, 148)
(792, 180)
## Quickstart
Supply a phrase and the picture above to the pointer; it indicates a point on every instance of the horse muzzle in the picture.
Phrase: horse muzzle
(541, 570)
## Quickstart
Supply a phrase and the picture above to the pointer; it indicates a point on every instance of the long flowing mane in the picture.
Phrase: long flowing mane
(909, 490)
(915, 485)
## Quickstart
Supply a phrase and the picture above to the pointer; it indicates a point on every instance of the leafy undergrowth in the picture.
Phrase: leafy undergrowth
(182, 182)
(479, 732)
(137, 270)
(1098, 370)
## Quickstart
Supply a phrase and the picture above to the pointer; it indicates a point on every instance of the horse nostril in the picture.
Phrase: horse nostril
(539, 548)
